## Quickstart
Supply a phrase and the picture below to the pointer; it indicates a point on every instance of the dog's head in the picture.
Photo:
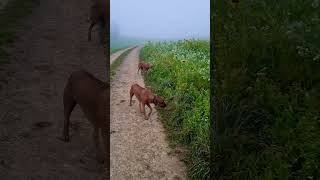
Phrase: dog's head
(158, 101)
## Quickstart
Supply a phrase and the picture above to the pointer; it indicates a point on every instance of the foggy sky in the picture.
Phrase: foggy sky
(161, 18)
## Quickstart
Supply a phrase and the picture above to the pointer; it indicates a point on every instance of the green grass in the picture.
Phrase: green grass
(114, 50)
(266, 84)
(180, 74)
(10, 20)
(118, 62)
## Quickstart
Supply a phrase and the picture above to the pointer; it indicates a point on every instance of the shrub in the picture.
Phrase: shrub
(267, 75)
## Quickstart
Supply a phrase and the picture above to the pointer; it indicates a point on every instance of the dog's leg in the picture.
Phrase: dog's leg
(131, 95)
(90, 30)
(150, 110)
(69, 104)
(144, 111)
(106, 141)
(95, 136)
(140, 107)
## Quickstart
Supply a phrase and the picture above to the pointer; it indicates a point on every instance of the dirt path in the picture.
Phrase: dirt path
(138, 147)
(51, 45)
(115, 55)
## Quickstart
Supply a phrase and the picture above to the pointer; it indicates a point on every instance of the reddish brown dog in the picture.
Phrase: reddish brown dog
(92, 95)
(99, 11)
(145, 97)
(144, 66)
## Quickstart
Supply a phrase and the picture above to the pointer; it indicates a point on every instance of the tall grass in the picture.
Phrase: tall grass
(180, 74)
(267, 62)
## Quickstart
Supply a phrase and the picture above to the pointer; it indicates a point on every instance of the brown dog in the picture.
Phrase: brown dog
(92, 95)
(144, 66)
(145, 97)
(99, 12)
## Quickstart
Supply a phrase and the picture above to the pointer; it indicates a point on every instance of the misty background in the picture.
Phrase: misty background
(134, 22)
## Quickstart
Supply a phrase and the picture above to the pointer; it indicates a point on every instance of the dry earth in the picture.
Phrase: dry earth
(51, 44)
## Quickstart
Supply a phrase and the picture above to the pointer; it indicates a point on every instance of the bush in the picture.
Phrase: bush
(267, 120)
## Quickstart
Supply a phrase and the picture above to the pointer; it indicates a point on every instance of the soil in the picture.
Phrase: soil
(138, 148)
(50, 45)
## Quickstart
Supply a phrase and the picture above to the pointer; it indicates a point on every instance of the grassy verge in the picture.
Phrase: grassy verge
(118, 62)
(114, 50)
(267, 81)
(10, 18)
(180, 74)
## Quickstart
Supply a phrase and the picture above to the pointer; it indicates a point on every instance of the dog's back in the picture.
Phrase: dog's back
(141, 93)
(92, 95)
(135, 88)
(87, 91)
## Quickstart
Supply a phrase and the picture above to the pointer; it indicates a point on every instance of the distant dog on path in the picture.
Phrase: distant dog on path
(143, 66)
(92, 95)
(145, 97)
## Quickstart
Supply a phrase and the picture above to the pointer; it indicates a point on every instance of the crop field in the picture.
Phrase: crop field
(266, 86)
(181, 75)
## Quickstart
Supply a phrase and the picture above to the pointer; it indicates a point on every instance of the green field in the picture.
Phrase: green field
(181, 75)
(266, 88)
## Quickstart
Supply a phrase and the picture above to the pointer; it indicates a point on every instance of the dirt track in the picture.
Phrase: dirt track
(51, 45)
(115, 55)
(138, 147)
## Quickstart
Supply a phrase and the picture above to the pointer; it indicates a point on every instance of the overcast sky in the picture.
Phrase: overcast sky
(161, 18)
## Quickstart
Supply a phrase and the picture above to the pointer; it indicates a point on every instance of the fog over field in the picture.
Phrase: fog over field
(161, 19)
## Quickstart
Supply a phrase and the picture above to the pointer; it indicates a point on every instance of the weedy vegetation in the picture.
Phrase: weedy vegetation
(180, 74)
(113, 50)
(118, 62)
(266, 87)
